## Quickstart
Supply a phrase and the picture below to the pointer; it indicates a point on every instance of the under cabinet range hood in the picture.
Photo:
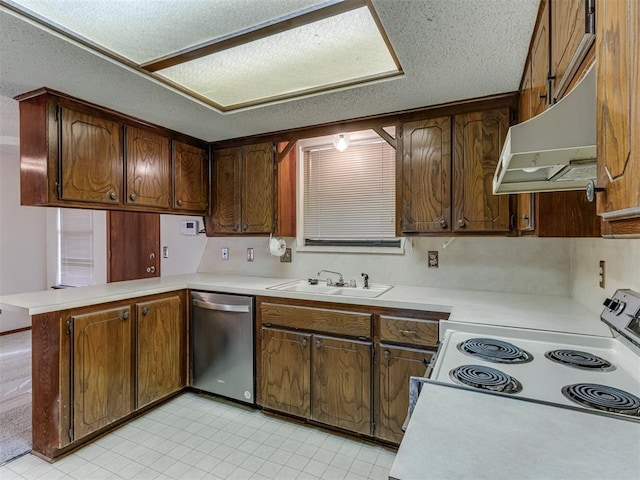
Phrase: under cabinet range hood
(555, 150)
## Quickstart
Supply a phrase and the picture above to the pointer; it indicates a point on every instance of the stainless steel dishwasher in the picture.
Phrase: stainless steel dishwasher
(222, 345)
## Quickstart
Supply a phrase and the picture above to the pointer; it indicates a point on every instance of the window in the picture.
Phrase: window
(348, 197)
(75, 244)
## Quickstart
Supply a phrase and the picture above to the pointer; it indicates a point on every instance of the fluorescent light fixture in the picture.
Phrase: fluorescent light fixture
(228, 56)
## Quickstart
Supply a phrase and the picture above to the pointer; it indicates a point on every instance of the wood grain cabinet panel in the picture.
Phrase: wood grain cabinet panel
(426, 175)
(244, 198)
(160, 353)
(478, 139)
(397, 364)
(191, 178)
(286, 369)
(90, 157)
(618, 113)
(148, 165)
(341, 380)
(102, 369)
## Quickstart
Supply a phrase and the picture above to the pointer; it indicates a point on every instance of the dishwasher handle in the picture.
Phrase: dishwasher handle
(221, 307)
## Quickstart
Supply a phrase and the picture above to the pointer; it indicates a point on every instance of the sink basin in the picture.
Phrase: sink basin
(303, 286)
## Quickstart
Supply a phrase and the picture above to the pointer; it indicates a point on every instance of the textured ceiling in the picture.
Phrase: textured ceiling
(449, 50)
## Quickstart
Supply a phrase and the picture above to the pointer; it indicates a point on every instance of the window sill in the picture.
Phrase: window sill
(343, 249)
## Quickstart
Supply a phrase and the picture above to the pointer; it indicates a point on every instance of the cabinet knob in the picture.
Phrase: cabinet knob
(236, 227)
(443, 223)
(592, 190)
(318, 344)
(387, 354)
(461, 222)
(133, 197)
(151, 269)
(244, 227)
(179, 202)
(125, 315)
(304, 342)
(113, 195)
(145, 310)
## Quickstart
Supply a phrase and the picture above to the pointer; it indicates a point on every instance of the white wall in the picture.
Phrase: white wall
(22, 229)
(519, 265)
(622, 269)
(185, 251)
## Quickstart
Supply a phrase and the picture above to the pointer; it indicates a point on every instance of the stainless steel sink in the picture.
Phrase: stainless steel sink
(303, 286)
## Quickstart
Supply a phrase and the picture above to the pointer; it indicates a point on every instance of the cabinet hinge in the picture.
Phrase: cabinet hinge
(58, 111)
(57, 187)
(69, 325)
(70, 434)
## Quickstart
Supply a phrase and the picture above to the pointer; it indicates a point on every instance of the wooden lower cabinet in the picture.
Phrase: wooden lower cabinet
(102, 369)
(94, 367)
(396, 365)
(161, 349)
(341, 383)
(284, 380)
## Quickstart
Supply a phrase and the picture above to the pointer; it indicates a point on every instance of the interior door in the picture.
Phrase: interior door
(133, 242)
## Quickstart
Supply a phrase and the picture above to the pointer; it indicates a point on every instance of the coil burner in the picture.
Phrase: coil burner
(485, 378)
(602, 397)
(495, 351)
(579, 359)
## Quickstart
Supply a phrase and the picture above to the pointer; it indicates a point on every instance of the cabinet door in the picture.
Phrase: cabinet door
(478, 140)
(90, 157)
(571, 37)
(225, 215)
(286, 366)
(160, 342)
(540, 64)
(258, 181)
(618, 108)
(147, 168)
(341, 383)
(397, 364)
(102, 373)
(426, 176)
(191, 178)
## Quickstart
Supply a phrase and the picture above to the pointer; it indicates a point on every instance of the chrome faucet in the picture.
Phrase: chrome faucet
(339, 283)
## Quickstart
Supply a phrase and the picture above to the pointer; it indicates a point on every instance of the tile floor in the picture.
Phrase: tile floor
(197, 437)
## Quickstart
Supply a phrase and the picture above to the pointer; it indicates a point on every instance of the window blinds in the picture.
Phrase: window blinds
(76, 247)
(349, 197)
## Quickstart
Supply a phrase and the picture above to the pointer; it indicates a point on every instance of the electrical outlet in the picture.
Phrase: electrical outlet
(286, 256)
(432, 258)
(601, 274)
(249, 254)
(225, 253)
(165, 252)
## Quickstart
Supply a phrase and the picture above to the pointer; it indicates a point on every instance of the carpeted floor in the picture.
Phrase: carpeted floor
(15, 395)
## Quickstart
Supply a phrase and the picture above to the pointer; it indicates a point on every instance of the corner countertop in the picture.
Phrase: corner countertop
(461, 433)
(540, 312)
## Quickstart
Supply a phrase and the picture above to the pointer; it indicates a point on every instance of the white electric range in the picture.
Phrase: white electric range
(600, 375)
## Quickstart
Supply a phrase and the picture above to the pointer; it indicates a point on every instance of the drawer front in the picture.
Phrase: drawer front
(409, 330)
(317, 319)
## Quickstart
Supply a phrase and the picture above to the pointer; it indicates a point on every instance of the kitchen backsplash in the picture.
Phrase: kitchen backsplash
(515, 265)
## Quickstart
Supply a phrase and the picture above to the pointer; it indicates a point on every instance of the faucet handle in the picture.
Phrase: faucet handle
(366, 280)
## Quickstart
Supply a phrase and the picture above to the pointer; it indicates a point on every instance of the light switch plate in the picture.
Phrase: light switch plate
(249, 254)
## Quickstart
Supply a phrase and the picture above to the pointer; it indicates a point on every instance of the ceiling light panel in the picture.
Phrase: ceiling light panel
(143, 30)
(340, 50)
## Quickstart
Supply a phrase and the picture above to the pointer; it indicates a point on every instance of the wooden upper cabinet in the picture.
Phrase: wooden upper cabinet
(191, 178)
(618, 114)
(572, 34)
(478, 140)
(540, 63)
(90, 160)
(258, 183)
(102, 369)
(426, 176)
(243, 193)
(160, 349)
(148, 166)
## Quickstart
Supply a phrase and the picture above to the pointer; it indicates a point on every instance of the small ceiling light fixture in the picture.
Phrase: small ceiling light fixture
(341, 142)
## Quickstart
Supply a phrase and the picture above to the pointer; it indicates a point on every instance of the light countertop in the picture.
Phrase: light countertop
(453, 431)
(468, 306)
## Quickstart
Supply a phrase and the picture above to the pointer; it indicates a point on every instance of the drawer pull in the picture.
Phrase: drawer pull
(408, 332)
